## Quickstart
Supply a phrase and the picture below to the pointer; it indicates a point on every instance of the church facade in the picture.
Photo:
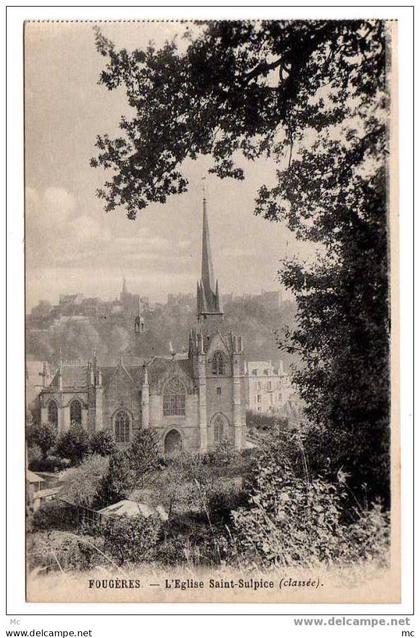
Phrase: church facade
(193, 401)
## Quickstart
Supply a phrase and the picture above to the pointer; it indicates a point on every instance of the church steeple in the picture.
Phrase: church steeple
(208, 299)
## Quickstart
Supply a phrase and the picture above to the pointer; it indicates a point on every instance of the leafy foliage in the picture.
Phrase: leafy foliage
(143, 454)
(43, 435)
(131, 539)
(35, 455)
(103, 443)
(293, 520)
(74, 443)
(224, 453)
(64, 551)
(82, 484)
(118, 481)
(54, 515)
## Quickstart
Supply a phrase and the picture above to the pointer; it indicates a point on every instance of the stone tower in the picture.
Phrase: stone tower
(217, 360)
(209, 307)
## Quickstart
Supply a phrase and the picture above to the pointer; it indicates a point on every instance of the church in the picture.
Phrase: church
(193, 400)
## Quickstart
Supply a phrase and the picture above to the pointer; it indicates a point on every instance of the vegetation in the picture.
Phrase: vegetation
(103, 443)
(42, 436)
(74, 443)
(292, 519)
(143, 455)
(82, 484)
(131, 539)
(272, 511)
(117, 482)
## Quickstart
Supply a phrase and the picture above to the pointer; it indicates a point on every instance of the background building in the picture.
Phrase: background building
(268, 387)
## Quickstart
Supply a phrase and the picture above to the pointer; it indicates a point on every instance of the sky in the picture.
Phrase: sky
(72, 245)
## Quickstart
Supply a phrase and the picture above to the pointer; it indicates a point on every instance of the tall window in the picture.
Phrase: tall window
(218, 429)
(75, 411)
(174, 398)
(52, 413)
(122, 427)
(218, 366)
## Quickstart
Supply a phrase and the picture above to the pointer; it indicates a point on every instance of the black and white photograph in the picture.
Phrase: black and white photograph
(211, 320)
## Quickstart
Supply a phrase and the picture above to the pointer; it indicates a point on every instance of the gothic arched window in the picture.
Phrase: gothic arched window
(122, 426)
(174, 398)
(75, 411)
(219, 429)
(52, 413)
(218, 364)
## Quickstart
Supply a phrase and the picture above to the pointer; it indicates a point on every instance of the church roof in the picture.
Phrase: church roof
(73, 376)
(159, 366)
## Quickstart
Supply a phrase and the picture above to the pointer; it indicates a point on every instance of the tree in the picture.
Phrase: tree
(73, 444)
(81, 484)
(313, 97)
(143, 454)
(118, 481)
(43, 435)
(103, 442)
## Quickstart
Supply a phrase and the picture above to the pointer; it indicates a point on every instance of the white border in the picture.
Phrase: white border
(15, 311)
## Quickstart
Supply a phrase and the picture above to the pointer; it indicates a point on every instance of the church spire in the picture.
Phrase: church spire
(208, 300)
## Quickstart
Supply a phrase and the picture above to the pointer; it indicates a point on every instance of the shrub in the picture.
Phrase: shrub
(368, 537)
(225, 453)
(293, 520)
(73, 444)
(131, 539)
(35, 455)
(54, 515)
(59, 550)
(103, 443)
(49, 464)
(221, 504)
(143, 454)
(118, 480)
(263, 422)
(43, 435)
(82, 484)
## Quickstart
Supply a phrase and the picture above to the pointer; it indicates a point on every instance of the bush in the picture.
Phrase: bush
(221, 504)
(82, 484)
(43, 435)
(118, 480)
(143, 454)
(131, 539)
(103, 443)
(224, 453)
(73, 444)
(293, 520)
(49, 464)
(263, 422)
(54, 515)
(368, 537)
(59, 550)
(35, 455)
